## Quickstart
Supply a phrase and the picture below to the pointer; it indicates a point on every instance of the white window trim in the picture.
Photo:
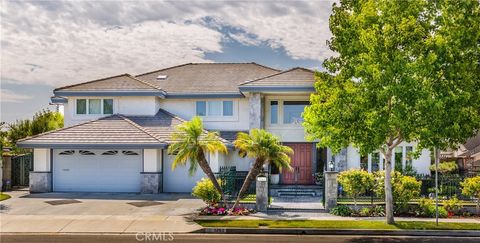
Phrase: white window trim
(280, 124)
(233, 117)
(88, 110)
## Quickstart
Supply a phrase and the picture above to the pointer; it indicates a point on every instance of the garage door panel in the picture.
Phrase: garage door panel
(97, 173)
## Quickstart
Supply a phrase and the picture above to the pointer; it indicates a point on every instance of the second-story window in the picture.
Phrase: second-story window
(214, 108)
(292, 111)
(94, 106)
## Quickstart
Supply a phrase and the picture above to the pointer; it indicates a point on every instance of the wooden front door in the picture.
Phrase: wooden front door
(301, 164)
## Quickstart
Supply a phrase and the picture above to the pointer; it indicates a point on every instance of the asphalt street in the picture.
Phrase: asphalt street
(212, 238)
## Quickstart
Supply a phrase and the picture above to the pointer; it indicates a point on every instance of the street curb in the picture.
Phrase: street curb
(309, 231)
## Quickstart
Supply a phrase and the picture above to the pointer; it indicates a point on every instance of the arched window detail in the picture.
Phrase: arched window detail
(86, 152)
(67, 152)
(110, 152)
(128, 152)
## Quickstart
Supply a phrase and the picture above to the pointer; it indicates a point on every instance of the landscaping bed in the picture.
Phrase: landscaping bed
(4, 196)
(339, 224)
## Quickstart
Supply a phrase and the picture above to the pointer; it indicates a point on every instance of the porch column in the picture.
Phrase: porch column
(40, 179)
(255, 110)
(331, 190)
(152, 171)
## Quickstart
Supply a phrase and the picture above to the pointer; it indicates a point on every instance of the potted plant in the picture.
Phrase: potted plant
(274, 175)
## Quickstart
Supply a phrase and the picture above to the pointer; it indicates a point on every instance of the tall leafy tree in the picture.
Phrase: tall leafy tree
(265, 148)
(405, 71)
(191, 143)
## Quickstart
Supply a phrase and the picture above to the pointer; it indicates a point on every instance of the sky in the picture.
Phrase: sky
(48, 44)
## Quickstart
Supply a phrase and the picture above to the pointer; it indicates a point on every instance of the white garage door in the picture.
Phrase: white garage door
(179, 180)
(97, 170)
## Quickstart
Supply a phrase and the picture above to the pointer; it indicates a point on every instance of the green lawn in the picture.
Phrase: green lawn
(251, 198)
(338, 224)
(4, 196)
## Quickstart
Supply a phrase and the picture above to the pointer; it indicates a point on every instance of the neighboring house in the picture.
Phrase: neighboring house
(467, 155)
(117, 129)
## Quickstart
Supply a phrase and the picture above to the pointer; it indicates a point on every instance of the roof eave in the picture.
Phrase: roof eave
(90, 145)
(204, 95)
(160, 94)
(277, 88)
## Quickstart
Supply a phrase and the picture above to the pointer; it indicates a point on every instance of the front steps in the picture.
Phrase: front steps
(296, 190)
(304, 198)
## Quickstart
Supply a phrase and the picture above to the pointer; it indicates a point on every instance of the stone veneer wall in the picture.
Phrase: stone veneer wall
(40, 181)
(152, 182)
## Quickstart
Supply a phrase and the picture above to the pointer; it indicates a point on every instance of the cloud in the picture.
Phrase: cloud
(59, 43)
(8, 96)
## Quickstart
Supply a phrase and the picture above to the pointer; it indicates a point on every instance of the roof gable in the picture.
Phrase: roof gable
(119, 83)
(293, 77)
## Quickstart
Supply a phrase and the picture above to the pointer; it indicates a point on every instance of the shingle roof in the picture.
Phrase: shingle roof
(123, 82)
(472, 145)
(230, 135)
(206, 77)
(293, 77)
(113, 130)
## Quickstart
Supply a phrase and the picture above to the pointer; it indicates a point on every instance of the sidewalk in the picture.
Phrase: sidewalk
(326, 216)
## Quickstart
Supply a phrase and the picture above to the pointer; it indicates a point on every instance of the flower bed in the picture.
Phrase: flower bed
(221, 211)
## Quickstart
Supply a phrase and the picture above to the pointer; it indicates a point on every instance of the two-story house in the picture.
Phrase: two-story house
(117, 129)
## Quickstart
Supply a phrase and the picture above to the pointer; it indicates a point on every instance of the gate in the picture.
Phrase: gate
(21, 167)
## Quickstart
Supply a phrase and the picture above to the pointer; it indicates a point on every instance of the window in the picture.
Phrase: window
(292, 111)
(110, 152)
(86, 152)
(273, 112)
(364, 163)
(398, 159)
(201, 108)
(408, 162)
(128, 152)
(107, 106)
(375, 162)
(228, 108)
(214, 108)
(94, 106)
(67, 152)
(81, 106)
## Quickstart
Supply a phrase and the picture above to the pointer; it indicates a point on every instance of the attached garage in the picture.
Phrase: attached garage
(179, 180)
(114, 170)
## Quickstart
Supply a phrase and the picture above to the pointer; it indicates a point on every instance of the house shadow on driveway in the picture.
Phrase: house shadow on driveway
(110, 196)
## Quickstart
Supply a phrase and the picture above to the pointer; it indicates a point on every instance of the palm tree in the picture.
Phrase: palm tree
(191, 142)
(265, 148)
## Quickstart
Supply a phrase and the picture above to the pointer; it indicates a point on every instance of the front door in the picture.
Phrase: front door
(301, 164)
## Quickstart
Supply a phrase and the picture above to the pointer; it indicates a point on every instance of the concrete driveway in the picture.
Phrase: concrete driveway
(98, 212)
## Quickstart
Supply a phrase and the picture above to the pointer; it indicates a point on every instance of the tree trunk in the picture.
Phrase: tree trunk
(388, 187)
(202, 161)
(252, 175)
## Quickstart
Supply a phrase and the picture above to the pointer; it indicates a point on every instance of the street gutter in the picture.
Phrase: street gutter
(310, 231)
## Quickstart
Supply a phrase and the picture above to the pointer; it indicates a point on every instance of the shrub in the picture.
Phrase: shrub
(365, 212)
(342, 210)
(404, 189)
(471, 188)
(427, 209)
(205, 190)
(356, 182)
(445, 167)
(452, 205)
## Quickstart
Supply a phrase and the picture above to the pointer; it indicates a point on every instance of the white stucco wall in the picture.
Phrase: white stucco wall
(126, 105)
(186, 109)
(421, 164)
(152, 160)
(232, 159)
(41, 160)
